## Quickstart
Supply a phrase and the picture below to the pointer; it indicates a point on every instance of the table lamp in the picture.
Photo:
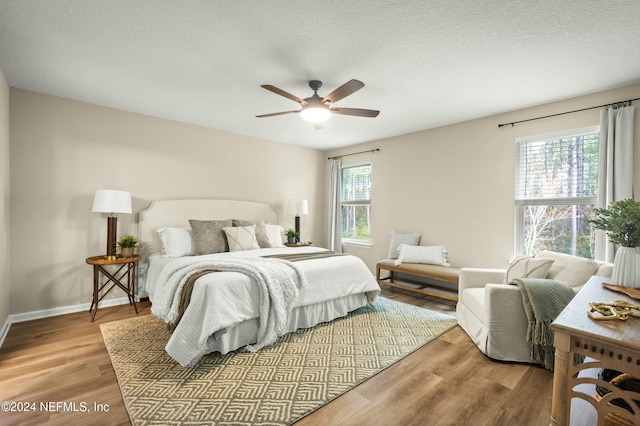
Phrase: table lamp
(111, 201)
(298, 207)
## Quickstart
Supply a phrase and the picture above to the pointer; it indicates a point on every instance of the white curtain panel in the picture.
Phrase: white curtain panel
(335, 212)
(616, 166)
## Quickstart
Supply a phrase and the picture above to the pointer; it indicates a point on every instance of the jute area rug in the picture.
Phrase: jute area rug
(278, 385)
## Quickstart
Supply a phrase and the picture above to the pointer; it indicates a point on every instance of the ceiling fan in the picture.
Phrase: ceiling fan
(316, 109)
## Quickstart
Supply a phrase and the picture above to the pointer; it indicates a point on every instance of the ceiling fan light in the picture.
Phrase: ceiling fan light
(315, 114)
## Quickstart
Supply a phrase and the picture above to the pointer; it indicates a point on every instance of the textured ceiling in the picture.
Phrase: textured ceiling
(424, 63)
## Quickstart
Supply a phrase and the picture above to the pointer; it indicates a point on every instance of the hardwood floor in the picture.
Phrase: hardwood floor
(447, 382)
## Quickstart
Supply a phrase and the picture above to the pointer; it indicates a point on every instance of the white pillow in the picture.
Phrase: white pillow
(261, 231)
(397, 239)
(241, 238)
(528, 267)
(432, 255)
(176, 241)
(274, 235)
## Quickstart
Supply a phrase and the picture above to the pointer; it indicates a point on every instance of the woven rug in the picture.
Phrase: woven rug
(278, 385)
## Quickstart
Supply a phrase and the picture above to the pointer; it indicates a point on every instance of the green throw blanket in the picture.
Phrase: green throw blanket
(543, 301)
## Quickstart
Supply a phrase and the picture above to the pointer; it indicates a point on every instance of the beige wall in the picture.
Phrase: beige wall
(4, 200)
(63, 150)
(455, 184)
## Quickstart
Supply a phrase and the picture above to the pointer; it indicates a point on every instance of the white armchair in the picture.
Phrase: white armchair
(491, 312)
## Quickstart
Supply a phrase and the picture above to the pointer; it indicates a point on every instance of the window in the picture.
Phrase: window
(556, 191)
(355, 202)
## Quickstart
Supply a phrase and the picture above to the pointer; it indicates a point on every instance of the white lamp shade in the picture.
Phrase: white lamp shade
(298, 207)
(111, 201)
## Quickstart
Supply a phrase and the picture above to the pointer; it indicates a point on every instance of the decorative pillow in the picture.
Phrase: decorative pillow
(432, 255)
(397, 239)
(274, 236)
(261, 230)
(241, 238)
(528, 267)
(176, 241)
(572, 270)
(208, 236)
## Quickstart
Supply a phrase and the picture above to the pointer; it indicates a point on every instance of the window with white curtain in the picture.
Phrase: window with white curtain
(355, 202)
(556, 192)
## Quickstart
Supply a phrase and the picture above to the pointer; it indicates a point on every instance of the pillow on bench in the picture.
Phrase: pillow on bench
(398, 239)
(432, 255)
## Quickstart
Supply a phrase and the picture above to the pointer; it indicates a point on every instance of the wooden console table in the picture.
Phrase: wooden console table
(612, 344)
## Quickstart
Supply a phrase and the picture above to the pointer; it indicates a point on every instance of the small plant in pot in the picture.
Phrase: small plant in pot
(621, 222)
(292, 236)
(127, 244)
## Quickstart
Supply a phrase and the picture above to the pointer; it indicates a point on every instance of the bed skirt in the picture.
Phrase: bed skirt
(233, 338)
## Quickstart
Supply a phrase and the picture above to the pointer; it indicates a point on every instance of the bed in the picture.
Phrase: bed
(244, 297)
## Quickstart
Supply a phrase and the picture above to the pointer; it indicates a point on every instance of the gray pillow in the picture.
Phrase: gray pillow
(261, 231)
(397, 239)
(208, 236)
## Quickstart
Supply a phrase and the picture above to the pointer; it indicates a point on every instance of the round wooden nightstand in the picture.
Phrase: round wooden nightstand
(125, 277)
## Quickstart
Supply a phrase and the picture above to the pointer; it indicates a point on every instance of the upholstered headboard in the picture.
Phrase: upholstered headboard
(177, 212)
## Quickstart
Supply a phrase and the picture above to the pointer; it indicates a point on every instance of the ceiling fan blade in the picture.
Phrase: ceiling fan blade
(356, 111)
(343, 91)
(281, 92)
(278, 113)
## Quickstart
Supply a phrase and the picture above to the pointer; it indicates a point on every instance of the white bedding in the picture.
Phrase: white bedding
(225, 306)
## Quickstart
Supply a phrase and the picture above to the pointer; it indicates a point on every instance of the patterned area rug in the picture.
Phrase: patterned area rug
(278, 385)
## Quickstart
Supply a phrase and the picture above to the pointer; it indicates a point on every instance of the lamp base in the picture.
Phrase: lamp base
(112, 230)
(298, 228)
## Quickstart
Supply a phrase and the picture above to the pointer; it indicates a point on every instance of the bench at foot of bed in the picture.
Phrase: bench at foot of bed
(431, 280)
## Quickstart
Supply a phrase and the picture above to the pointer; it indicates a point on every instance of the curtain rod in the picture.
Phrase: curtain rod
(354, 153)
(614, 104)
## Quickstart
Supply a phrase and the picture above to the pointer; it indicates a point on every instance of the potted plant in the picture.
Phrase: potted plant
(292, 236)
(127, 244)
(621, 222)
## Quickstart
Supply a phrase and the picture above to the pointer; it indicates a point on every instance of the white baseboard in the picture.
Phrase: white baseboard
(4, 331)
(46, 313)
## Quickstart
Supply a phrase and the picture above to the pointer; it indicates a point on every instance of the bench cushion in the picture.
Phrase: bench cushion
(436, 272)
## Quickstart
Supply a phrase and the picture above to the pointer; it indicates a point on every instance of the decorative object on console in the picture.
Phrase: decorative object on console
(298, 207)
(626, 267)
(111, 201)
(618, 309)
(127, 244)
(631, 292)
(621, 222)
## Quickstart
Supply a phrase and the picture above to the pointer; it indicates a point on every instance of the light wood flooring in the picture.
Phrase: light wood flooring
(447, 382)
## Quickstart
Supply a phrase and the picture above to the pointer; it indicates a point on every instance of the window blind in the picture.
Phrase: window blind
(552, 170)
(356, 184)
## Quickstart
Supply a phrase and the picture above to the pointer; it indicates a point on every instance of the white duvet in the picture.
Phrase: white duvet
(222, 300)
